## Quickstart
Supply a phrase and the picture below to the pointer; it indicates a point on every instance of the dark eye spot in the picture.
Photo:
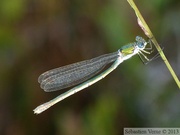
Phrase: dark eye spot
(138, 38)
(141, 45)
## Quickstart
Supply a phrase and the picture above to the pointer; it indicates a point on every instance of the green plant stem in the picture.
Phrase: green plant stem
(148, 33)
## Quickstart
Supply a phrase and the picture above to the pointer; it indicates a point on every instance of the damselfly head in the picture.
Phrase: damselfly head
(141, 43)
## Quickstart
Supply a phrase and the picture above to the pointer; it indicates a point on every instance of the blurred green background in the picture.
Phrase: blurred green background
(38, 35)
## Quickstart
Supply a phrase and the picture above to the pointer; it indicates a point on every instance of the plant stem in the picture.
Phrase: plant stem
(148, 33)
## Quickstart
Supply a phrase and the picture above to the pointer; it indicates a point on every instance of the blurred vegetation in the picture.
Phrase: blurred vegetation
(36, 36)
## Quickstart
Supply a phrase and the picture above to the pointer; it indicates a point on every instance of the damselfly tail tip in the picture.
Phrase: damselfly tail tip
(38, 110)
(41, 108)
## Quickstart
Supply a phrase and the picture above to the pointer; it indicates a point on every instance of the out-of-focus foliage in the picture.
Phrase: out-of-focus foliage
(38, 35)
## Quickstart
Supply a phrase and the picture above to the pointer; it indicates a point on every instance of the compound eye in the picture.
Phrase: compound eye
(138, 38)
(141, 45)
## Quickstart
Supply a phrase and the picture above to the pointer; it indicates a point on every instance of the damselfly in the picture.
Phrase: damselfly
(83, 72)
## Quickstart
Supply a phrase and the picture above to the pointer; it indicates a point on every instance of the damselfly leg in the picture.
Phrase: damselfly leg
(147, 51)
